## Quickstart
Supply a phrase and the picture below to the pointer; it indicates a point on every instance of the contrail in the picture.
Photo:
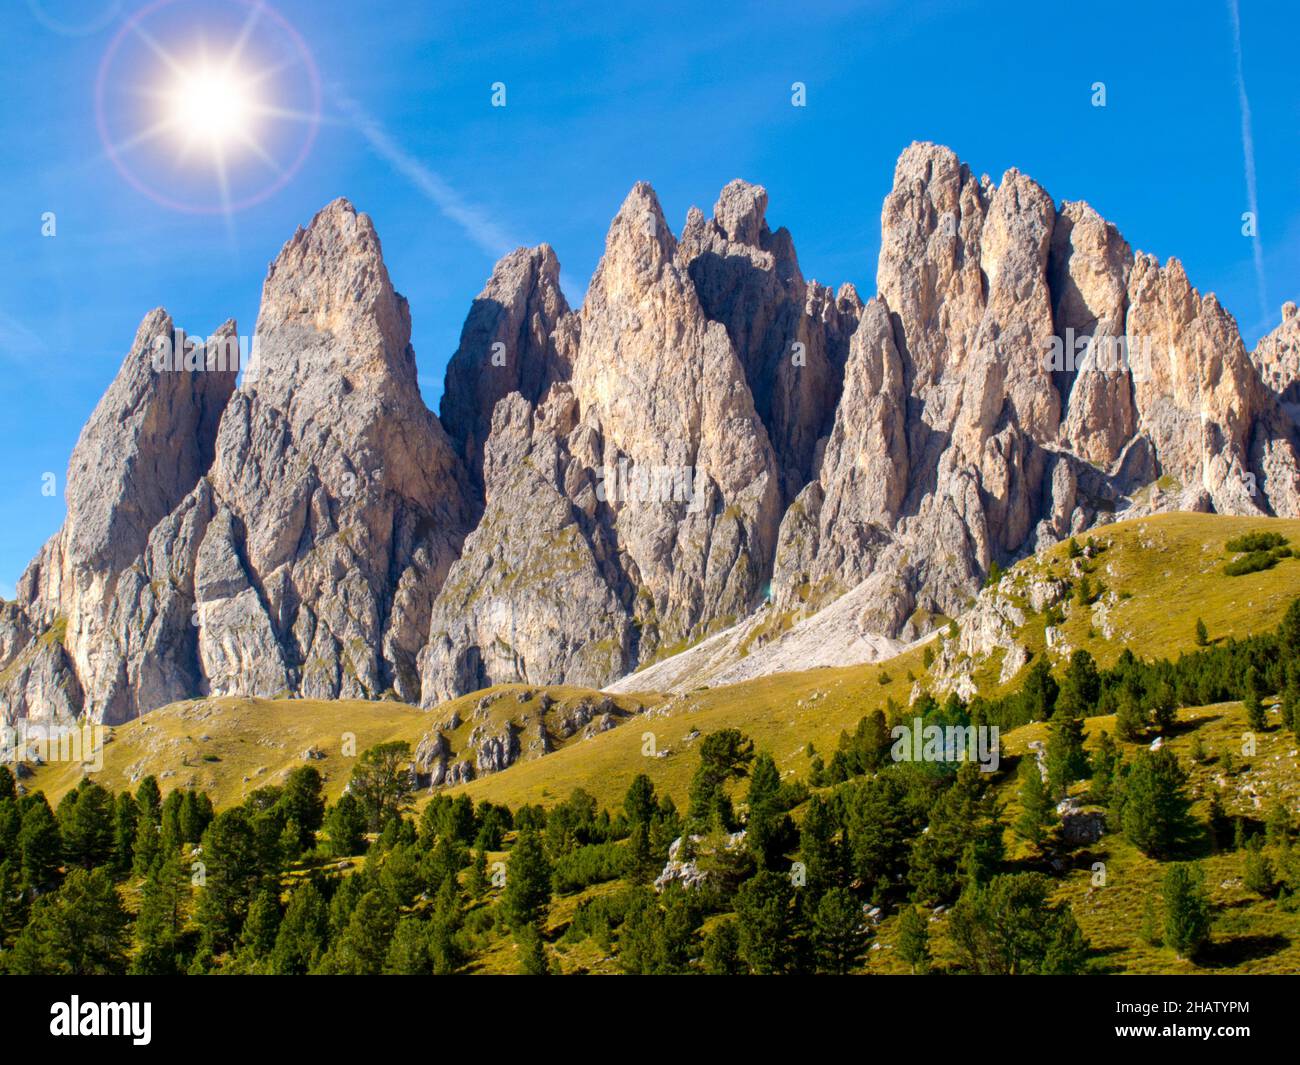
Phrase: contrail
(1248, 150)
(478, 227)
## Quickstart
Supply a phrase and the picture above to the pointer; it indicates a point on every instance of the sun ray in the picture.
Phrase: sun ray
(157, 49)
(245, 31)
(254, 146)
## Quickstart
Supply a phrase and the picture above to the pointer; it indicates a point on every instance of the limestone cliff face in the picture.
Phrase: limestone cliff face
(342, 502)
(711, 451)
(111, 589)
(509, 344)
(1051, 378)
(791, 336)
(285, 538)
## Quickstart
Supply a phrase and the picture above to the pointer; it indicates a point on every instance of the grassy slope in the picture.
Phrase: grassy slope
(230, 746)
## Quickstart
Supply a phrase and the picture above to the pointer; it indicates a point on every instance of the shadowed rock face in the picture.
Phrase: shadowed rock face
(709, 434)
(508, 344)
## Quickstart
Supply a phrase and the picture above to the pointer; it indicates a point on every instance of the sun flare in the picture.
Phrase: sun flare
(212, 105)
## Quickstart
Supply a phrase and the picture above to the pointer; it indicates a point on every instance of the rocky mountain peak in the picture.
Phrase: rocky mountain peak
(330, 281)
(508, 344)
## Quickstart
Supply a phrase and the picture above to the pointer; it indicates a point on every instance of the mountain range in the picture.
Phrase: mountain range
(712, 470)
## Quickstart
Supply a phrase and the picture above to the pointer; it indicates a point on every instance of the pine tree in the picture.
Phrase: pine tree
(768, 829)
(1187, 909)
(839, 932)
(80, 930)
(163, 899)
(1130, 718)
(641, 865)
(1080, 687)
(363, 947)
(346, 827)
(1152, 803)
(445, 952)
(1066, 758)
(724, 756)
(125, 814)
(148, 840)
(381, 782)
(1255, 719)
(1164, 709)
(88, 827)
(409, 953)
(301, 939)
(1009, 927)
(721, 955)
(262, 927)
(171, 837)
(1202, 634)
(40, 846)
(1104, 763)
(1037, 813)
(913, 944)
(303, 804)
(476, 882)
(13, 904)
(1038, 695)
(763, 908)
(533, 960)
(639, 805)
(528, 882)
(1259, 875)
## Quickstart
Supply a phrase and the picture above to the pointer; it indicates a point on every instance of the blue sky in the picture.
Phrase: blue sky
(598, 96)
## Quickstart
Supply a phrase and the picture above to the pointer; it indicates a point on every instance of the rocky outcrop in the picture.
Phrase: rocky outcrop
(1050, 380)
(114, 577)
(790, 336)
(509, 344)
(534, 597)
(285, 538)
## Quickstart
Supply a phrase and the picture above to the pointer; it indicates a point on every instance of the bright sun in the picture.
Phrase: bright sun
(212, 105)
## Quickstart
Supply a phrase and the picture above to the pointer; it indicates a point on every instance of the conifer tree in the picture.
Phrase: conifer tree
(1152, 803)
(125, 815)
(1187, 909)
(528, 882)
(79, 930)
(40, 846)
(163, 899)
(913, 944)
(1066, 759)
(1036, 811)
(839, 932)
(721, 954)
(1255, 719)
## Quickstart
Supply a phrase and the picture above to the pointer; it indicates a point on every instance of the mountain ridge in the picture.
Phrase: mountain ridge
(706, 434)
